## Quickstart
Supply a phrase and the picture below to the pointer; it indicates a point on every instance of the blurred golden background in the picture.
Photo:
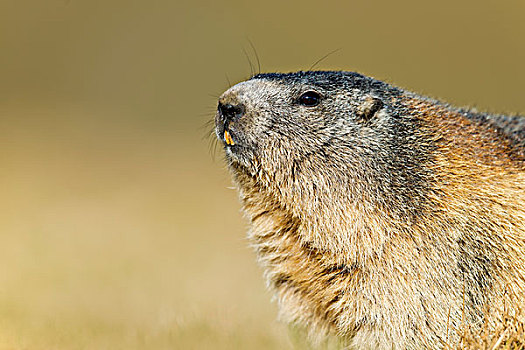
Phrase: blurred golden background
(118, 226)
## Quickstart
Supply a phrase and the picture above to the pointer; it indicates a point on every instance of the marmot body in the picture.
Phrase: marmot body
(387, 218)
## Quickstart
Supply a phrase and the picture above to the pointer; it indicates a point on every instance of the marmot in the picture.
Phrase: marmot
(389, 219)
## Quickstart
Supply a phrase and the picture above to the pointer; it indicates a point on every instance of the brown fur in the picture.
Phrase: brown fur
(386, 218)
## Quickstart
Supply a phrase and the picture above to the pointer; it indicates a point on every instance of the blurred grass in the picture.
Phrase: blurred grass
(118, 229)
(121, 243)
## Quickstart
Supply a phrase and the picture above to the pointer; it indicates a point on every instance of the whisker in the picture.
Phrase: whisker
(256, 57)
(323, 58)
(208, 125)
(252, 71)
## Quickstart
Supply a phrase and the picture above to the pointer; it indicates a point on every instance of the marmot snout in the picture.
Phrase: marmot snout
(387, 218)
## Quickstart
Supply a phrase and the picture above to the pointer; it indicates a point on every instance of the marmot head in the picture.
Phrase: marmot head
(273, 123)
(298, 115)
(322, 142)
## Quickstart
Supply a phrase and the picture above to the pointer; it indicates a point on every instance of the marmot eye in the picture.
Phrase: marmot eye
(310, 99)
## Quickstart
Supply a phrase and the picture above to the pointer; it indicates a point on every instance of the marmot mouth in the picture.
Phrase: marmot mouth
(228, 138)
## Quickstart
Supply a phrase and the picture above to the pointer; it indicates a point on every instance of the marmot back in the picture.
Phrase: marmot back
(389, 219)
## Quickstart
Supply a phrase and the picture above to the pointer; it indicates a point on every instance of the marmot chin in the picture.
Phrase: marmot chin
(389, 219)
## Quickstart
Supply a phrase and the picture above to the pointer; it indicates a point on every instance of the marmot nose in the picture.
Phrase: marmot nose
(231, 112)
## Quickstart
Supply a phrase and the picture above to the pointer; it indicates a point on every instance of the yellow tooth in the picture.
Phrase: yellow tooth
(228, 138)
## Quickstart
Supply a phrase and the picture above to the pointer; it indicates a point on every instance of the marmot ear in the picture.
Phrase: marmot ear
(369, 108)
